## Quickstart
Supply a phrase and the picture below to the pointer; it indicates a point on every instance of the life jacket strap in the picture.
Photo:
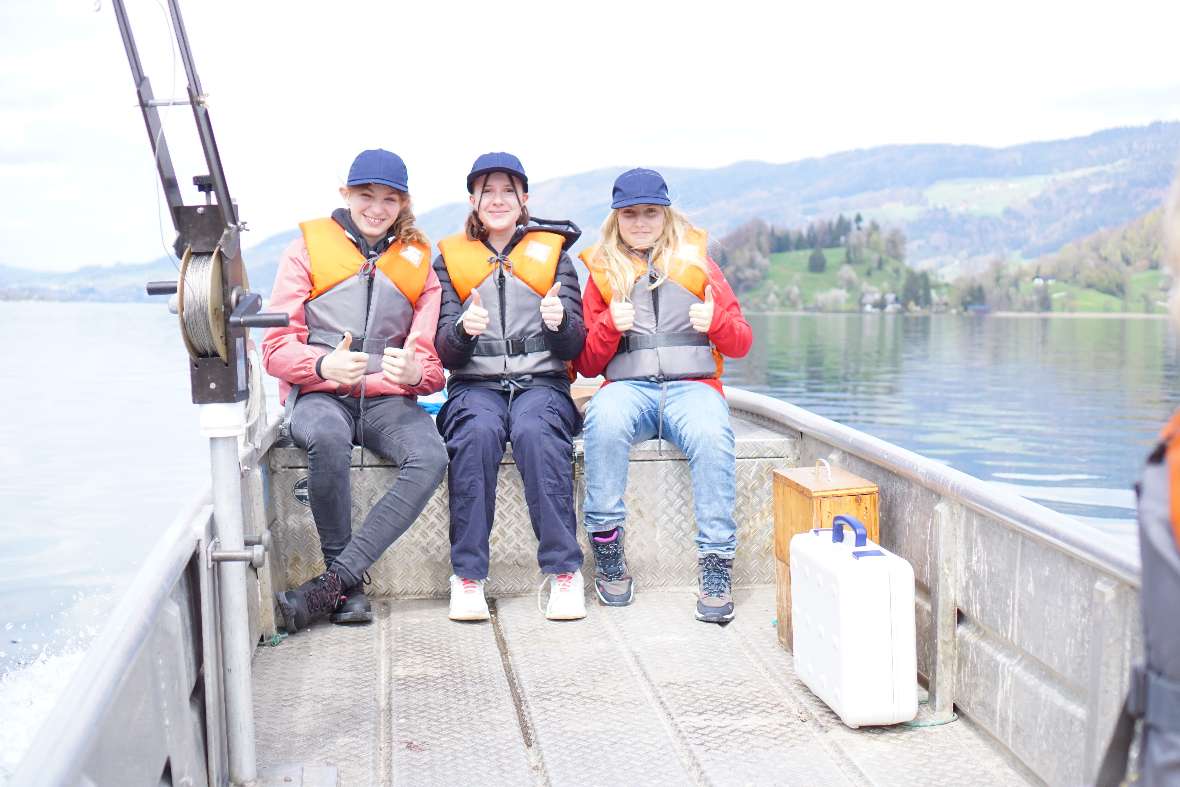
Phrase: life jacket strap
(649, 341)
(1155, 699)
(512, 346)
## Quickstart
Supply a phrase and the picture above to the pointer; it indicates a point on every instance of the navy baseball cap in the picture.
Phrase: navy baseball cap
(379, 166)
(639, 187)
(497, 162)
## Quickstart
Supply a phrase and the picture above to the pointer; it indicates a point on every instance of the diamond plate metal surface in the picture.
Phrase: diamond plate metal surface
(399, 701)
(317, 700)
(636, 695)
(453, 719)
(592, 712)
(660, 550)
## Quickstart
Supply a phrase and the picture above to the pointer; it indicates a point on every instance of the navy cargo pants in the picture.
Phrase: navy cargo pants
(541, 423)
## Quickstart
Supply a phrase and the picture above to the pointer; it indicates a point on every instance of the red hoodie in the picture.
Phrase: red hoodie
(729, 331)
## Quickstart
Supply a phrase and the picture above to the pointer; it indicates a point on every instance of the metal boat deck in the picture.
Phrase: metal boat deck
(1026, 626)
(637, 695)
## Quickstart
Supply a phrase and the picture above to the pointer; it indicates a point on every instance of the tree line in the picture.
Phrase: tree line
(864, 248)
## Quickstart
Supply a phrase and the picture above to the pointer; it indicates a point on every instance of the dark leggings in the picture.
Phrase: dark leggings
(395, 427)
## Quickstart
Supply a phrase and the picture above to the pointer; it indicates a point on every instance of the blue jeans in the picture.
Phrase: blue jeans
(696, 419)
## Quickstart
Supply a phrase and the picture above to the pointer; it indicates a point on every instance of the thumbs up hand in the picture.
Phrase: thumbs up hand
(475, 319)
(399, 363)
(622, 314)
(552, 312)
(342, 366)
(701, 314)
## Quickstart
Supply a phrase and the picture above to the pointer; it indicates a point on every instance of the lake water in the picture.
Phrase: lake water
(100, 448)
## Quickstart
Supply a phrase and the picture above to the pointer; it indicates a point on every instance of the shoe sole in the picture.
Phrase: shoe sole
(615, 603)
(470, 616)
(713, 618)
(346, 618)
(565, 617)
(286, 611)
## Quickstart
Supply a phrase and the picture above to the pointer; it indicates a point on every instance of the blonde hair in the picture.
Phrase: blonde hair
(1170, 228)
(474, 227)
(618, 261)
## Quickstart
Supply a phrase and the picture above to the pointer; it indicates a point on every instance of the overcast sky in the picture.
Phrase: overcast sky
(298, 88)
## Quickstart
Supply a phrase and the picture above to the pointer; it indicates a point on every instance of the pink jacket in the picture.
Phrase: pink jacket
(287, 355)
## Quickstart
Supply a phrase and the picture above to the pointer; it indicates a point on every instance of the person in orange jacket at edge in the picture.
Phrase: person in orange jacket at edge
(659, 317)
(1154, 694)
(509, 324)
(363, 305)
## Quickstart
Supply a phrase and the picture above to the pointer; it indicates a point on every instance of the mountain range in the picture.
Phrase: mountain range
(960, 206)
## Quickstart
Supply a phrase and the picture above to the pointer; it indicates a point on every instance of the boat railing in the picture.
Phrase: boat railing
(1028, 620)
(145, 705)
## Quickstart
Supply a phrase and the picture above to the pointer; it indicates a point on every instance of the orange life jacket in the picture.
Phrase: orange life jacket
(1170, 437)
(533, 261)
(682, 270)
(334, 258)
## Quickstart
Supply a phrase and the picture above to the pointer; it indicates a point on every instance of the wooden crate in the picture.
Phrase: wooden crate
(807, 498)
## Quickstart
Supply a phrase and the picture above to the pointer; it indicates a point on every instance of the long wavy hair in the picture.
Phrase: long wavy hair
(618, 260)
(404, 228)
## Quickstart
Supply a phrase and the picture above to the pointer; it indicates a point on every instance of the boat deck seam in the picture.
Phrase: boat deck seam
(688, 760)
(519, 703)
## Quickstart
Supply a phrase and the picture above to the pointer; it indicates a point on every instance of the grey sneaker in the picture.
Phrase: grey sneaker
(612, 584)
(715, 604)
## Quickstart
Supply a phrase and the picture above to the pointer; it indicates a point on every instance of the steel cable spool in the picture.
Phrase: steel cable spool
(201, 305)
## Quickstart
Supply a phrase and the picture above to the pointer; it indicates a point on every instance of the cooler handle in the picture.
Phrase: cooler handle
(862, 535)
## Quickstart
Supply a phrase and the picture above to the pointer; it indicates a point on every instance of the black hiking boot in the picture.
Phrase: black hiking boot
(354, 606)
(314, 599)
(715, 604)
(613, 586)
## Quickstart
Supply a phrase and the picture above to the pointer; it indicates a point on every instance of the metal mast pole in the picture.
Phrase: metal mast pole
(216, 312)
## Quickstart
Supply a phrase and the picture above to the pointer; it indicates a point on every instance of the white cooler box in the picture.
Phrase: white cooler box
(852, 608)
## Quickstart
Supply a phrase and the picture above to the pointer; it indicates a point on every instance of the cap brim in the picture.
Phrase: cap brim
(393, 184)
(479, 173)
(629, 201)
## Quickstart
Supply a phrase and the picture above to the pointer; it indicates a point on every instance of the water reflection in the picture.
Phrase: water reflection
(1061, 411)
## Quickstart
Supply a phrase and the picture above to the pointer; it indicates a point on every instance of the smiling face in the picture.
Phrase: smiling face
(640, 225)
(497, 200)
(373, 208)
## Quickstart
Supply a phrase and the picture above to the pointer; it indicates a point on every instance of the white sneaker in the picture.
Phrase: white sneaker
(567, 597)
(467, 599)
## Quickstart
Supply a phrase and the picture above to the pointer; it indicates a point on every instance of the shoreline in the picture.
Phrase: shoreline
(1001, 314)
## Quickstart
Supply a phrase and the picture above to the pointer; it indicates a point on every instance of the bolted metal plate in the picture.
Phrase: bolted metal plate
(642, 694)
(659, 501)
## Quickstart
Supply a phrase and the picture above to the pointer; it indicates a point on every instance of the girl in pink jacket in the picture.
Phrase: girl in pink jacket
(363, 303)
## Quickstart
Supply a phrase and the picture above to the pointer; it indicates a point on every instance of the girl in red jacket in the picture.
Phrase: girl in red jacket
(659, 315)
(359, 348)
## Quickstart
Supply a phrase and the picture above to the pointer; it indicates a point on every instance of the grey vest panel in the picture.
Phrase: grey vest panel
(342, 308)
(663, 362)
(522, 322)
(1160, 680)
